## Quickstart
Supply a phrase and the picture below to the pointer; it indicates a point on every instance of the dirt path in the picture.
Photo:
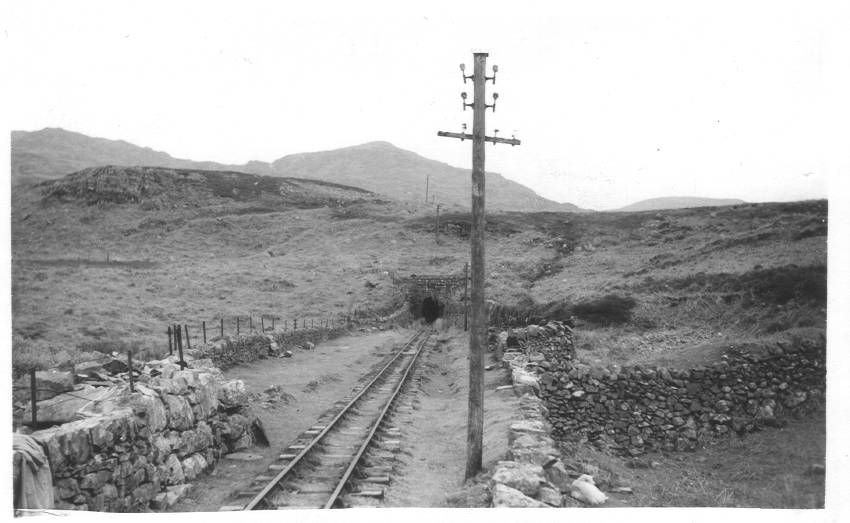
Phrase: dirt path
(309, 384)
(432, 460)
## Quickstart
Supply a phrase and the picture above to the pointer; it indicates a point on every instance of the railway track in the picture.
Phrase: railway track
(336, 460)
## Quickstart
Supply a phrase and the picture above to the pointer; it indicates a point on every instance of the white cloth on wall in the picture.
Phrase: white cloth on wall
(33, 480)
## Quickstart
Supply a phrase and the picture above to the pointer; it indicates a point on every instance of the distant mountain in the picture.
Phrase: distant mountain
(384, 168)
(377, 166)
(677, 202)
(53, 152)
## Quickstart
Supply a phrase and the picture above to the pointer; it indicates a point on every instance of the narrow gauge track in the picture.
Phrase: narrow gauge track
(321, 470)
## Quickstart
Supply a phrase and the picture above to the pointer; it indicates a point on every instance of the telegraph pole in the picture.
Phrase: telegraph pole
(437, 227)
(478, 327)
(427, 181)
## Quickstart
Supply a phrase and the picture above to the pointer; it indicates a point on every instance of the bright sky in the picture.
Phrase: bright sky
(614, 103)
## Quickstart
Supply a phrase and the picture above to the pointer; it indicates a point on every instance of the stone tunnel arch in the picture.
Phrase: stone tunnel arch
(433, 296)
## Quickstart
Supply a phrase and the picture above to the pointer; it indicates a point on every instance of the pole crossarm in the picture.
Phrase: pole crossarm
(467, 136)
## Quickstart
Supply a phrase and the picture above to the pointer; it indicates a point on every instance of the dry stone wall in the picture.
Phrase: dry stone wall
(141, 449)
(234, 350)
(632, 410)
(532, 475)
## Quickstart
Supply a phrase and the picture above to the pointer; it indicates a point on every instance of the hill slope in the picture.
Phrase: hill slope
(382, 167)
(378, 166)
(677, 202)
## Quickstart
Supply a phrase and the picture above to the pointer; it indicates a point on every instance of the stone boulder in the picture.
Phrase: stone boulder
(526, 427)
(557, 474)
(505, 496)
(172, 471)
(49, 383)
(180, 416)
(193, 466)
(232, 394)
(67, 407)
(524, 477)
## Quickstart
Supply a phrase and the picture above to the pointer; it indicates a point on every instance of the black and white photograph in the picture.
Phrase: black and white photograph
(372, 255)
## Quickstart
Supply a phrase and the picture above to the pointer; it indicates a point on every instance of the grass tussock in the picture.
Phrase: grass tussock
(776, 285)
(769, 469)
(611, 309)
(28, 354)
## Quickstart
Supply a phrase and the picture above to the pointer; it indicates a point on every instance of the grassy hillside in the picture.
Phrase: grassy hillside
(113, 256)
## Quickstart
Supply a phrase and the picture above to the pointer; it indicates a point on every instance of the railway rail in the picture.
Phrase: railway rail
(335, 460)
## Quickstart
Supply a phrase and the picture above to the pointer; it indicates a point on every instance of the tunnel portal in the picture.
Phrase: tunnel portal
(434, 296)
(431, 309)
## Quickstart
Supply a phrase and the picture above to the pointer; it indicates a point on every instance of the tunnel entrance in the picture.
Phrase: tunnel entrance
(431, 309)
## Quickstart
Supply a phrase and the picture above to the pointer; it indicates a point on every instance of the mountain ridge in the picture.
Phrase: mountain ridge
(377, 166)
(677, 202)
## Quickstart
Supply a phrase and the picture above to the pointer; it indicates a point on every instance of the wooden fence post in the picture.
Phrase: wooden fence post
(237, 325)
(180, 348)
(262, 323)
(295, 324)
(188, 342)
(250, 324)
(33, 398)
(221, 326)
(204, 328)
(170, 347)
(130, 369)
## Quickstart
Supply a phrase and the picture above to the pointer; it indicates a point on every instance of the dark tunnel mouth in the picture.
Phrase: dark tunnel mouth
(430, 309)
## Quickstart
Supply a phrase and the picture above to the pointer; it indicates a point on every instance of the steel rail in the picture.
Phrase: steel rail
(356, 459)
(260, 497)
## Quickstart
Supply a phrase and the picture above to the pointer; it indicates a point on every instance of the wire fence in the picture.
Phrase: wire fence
(183, 336)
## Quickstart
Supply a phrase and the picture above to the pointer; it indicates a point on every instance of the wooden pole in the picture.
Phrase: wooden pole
(272, 322)
(188, 343)
(478, 330)
(295, 324)
(130, 369)
(250, 324)
(33, 399)
(478, 311)
(437, 227)
(263, 323)
(204, 328)
(466, 296)
(170, 348)
(237, 325)
(180, 347)
(221, 326)
(427, 181)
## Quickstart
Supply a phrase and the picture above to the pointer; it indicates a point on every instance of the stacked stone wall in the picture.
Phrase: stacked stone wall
(632, 410)
(234, 350)
(532, 475)
(139, 450)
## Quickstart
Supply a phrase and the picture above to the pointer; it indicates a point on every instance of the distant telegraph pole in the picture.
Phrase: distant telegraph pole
(478, 327)
(437, 226)
(427, 181)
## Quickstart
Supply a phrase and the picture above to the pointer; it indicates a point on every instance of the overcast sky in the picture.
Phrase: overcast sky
(614, 103)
